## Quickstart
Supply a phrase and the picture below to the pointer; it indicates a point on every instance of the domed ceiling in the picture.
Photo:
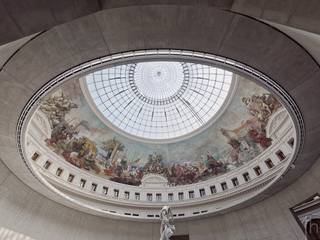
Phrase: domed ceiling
(157, 100)
(186, 121)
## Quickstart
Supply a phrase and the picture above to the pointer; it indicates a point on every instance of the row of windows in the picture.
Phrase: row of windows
(156, 215)
(158, 196)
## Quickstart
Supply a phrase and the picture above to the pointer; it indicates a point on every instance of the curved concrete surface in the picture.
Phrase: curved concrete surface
(148, 27)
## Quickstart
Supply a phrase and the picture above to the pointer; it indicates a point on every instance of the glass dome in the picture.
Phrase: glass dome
(159, 100)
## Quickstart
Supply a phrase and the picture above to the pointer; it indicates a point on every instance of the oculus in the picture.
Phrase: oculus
(158, 100)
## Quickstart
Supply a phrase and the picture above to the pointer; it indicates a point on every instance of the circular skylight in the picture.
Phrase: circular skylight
(159, 100)
(158, 81)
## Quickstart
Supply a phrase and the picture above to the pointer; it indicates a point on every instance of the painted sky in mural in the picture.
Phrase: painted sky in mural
(80, 138)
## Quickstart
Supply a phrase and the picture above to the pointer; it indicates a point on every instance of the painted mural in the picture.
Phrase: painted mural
(81, 139)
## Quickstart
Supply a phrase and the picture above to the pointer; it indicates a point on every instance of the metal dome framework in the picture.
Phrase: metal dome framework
(159, 100)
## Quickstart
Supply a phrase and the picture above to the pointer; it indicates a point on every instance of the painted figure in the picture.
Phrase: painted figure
(56, 108)
(74, 140)
(261, 106)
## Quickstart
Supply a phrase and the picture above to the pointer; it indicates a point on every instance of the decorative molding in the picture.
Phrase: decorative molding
(154, 181)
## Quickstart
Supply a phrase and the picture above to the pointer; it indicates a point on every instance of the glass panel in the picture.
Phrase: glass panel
(159, 99)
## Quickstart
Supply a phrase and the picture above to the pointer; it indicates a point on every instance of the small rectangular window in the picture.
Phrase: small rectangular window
(149, 197)
(105, 190)
(213, 189)
(137, 196)
(35, 156)
(202, 192)
(159, 197)
(257, 170)
(191, 194)
(224, 186)
(235, 181)
(291, 142)
(170, 197)
(94, 187)
(59, 172)
(126, 195)
(246, 176)
(70, 178)
(47, 164)
(82, 182)
(116, 193)
(280, 155)
(269, 163)
(180, 196)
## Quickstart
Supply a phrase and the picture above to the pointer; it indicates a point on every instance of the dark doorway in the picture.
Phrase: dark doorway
(313, 229)
(305, 213)
(180, 237)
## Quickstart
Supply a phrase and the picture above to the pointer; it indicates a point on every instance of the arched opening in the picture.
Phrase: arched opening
(313, 229)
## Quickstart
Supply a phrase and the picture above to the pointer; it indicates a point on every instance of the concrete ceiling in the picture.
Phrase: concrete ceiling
(295, 13)
(22, 18)
(250, 223)
(151, 27)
